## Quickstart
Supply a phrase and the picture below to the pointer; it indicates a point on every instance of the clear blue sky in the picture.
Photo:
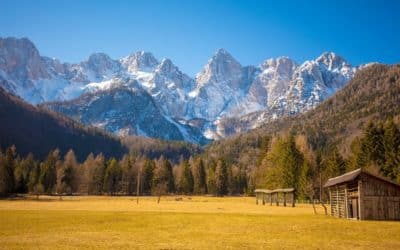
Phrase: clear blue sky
(189, 32)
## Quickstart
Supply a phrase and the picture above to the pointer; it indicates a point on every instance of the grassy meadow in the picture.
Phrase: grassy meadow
(181, 223)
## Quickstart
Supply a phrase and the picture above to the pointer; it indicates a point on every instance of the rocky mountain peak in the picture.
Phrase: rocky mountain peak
(222, 56)
(331, 60)
(101, 63)
(140, 61)
(166, 66)
(281, 65)
(99, 58)
(21, 59)
(220, 68)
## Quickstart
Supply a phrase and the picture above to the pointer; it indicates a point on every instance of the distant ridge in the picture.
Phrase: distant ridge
(36, 130)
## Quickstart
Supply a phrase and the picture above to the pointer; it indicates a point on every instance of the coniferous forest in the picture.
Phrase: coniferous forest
(283, 161)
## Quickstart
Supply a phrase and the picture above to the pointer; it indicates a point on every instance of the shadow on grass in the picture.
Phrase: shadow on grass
(40, 198)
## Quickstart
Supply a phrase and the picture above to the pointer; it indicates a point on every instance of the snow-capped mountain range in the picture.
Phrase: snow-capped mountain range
(139, 94)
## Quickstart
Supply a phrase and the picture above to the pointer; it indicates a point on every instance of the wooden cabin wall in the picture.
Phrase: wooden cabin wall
(377, 187)
(380, 199)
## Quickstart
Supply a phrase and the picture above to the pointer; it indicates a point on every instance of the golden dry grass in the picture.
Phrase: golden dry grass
(190, 223)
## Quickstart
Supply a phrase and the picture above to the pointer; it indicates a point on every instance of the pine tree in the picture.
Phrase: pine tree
(34, 175)
(22, 172)
(112, 176)
(65, 174)
(48, 176)
(96, 176)
(359, 155)
(9, 169)
(4, 177)
(334, 164)
(129, 174)
(291, 162)
(169, 176)
(221, 178)
(199, 177)
(186, 178)
(148, 175)
(391, 143)
(211, 188)
(373, 144)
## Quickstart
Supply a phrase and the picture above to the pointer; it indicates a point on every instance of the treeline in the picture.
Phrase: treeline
(291, 160)
(132, 175)
(280, 161)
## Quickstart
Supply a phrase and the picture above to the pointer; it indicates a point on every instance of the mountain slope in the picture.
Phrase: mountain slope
(125, 111)
(35, 130)
(373, 94)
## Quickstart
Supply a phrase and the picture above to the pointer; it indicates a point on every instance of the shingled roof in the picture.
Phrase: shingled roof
(350, 176)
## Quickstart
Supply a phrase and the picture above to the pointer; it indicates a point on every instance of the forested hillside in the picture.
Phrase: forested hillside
(36, 130)
(336, 136)
(374, 94)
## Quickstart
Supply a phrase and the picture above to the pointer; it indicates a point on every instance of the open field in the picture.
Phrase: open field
(190, 223)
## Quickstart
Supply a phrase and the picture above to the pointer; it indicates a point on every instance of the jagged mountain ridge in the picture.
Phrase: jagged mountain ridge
(223, 92)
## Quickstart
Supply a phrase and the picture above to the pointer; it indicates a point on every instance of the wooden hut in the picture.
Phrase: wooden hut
(274, 196)
(365, 196)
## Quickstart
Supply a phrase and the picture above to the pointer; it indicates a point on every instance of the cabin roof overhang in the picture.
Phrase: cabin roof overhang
(351, 176)
(281, 190)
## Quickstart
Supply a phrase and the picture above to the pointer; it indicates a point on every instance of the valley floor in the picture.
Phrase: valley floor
(181, 223)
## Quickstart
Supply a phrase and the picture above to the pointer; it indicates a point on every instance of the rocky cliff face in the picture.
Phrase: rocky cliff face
(223, 99)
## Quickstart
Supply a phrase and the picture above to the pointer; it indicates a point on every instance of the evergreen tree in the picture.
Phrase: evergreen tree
(148, 175)
(112, 176)
(34, 175)
(22, 172)
(48, 176)
(291, 162)
(211, 188)
(373, 144)
(96, 176)
(186, 178)
(221, 178)
(4, 177)
(284, 164)
(391, 143)
(169, 176)
(199, 177)
(359, 155)
(129, 174)
(334, 164)
(9, 169)
(65, 174)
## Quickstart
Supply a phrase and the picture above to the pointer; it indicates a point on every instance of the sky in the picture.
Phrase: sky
(189, 32)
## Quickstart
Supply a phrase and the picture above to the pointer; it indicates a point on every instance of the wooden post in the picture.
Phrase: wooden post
(360, 197)
(138, 185)
(270, 199)
(277, 198)
(263, 198)
(330, 199)
(293, 199)
(337, 202)
(256, 198)
(284, 199)
(346, 212)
